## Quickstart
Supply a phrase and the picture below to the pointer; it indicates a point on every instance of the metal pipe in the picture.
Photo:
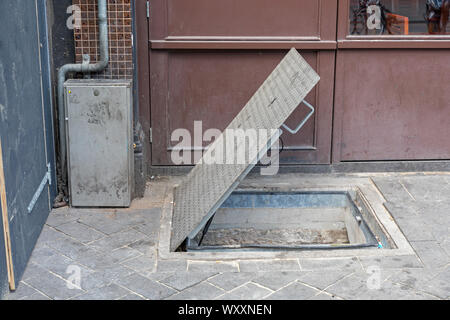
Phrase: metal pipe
(83, 68)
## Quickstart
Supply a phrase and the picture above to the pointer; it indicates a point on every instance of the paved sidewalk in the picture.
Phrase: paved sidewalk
(114, 253)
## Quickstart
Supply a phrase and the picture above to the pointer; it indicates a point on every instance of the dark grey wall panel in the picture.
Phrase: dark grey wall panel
(25, 121)
(3, 270)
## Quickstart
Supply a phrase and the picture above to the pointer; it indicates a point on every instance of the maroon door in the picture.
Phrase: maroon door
(208, 57)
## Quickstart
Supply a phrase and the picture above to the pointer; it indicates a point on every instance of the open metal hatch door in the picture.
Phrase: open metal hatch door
(210, 183)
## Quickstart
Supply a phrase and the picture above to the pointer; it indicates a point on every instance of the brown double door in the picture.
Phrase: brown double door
(208, 57)
(387, 101)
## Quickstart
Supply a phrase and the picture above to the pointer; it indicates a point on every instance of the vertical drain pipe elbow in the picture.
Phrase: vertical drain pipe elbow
(83, 68)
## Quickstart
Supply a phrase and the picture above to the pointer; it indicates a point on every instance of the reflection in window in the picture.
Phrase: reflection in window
(399, 17)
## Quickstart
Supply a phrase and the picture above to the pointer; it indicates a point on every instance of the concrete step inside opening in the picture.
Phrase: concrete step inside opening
(289, 221)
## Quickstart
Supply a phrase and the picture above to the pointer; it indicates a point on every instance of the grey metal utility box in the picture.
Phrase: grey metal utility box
(99, 132)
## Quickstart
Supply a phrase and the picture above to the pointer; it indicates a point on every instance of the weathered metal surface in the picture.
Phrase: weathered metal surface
(100, 142)
(25, 122)
(207, 184)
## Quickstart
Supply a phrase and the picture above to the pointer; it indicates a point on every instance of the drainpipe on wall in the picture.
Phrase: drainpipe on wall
(82, 68)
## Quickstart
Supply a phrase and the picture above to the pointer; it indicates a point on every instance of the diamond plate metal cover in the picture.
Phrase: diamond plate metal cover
(208, 185)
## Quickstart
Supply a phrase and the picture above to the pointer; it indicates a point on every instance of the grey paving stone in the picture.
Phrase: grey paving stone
(32, 270)
(230, 280)
(61, 216)
(201, 291)
(145, 287)
(49, 235)
(402, 210)
(440, 229)
(276, 280)
(145, 246)
(414, 277)
(129, 218)
(132, 297)
(154, 194)
(325, 296)
(390, 291)
(438, 285)
(36, 296)
(117, 240)
(183, 280)
(417, 229)
(428, 188)
(212, 266)
(110, 292)
(350, 287)
(171, 265)
(425, 222)
(53, 261)
(268, 265)
(445, 245)
(23, 290)
(349, 264)
(103, 222)
(294, 291)
(96, 260)
(391, 189)
(124, 253)
(158, 276)
(392, 262)
(323, 279)
(249, 291)
(105, 277)
(42, 254)
(144, 263)
(355, 285)
(431, 253)
(80, 232)
(150, 229)
(69, 247)
(53, 286)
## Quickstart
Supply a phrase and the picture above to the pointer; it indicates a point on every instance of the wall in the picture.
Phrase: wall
(120, 37)
(26, 128)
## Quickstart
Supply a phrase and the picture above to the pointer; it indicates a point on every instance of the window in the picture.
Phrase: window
(399, 17)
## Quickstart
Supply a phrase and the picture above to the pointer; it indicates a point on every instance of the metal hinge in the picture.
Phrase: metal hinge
(47, 179)
(148, 9)
(150, 137)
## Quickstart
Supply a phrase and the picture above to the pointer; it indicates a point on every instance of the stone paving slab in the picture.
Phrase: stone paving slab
(294, 291)
(201, 291)
(183, 280)
(249, 291)
(269, 265)
(231, 280)
(109, 292)
(115, 251)
(276, 280)
(53, 286)
(145, 287)
(80, 232)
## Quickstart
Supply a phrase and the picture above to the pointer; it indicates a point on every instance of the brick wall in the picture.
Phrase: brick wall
(120, 37)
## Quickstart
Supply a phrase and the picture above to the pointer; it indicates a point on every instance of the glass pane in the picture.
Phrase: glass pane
(399, 17)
